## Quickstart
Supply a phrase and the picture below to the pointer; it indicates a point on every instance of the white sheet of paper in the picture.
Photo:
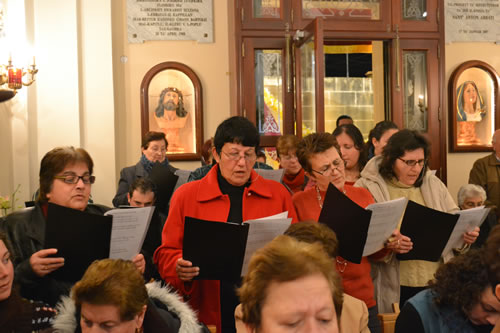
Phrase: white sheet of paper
(183, 177)
(468, 220)
(129, 230)
(385, 218)
(261, 232)
(276, 175)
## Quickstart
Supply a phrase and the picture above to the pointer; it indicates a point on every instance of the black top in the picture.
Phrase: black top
(228, 297)
(409, 321)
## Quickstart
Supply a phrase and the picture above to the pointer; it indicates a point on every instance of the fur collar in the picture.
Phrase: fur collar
(66, 321)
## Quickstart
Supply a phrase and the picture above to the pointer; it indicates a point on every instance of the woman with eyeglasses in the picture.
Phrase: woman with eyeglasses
(319, 155)
(231, 192)
(154, 151)
(401, 171)
(65, 180)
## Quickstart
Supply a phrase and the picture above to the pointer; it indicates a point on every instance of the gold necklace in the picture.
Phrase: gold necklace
(318, 195)
(341, 265)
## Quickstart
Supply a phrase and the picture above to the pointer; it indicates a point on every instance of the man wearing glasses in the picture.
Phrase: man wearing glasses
(231, 192)
(65, 180)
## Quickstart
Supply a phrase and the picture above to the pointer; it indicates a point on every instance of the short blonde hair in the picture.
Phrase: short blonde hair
(285, 259)
(112, 282)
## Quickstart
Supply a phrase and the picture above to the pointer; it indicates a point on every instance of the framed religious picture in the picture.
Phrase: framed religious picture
(171, 102)
(473, 103)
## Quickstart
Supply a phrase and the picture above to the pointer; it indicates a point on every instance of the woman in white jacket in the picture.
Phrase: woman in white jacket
(401, 171)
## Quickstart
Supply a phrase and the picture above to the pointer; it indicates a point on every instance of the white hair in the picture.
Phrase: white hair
(469, 191)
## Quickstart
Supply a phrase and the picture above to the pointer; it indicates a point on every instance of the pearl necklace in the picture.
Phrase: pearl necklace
(341, 265)
(318, 196)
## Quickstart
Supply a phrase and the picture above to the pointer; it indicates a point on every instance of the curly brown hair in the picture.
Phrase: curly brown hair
(314, 144)
(460, 282)
(314, 232)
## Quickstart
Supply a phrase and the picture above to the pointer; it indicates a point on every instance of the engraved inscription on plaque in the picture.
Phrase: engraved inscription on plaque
(170, 20)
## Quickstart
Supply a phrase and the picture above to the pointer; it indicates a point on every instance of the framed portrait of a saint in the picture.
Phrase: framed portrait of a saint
(171, 102)
(474, 113)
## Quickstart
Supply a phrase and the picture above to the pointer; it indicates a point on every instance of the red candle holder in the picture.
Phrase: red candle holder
(15, 78)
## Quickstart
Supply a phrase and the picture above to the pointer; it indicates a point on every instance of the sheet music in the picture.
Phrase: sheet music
(276, 175)
(183, 177)
(261, 232)
(385, 218)
(468, 220)
(129, 230)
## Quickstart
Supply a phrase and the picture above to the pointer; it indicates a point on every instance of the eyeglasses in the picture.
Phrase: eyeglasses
(73, 179)
(159, 150)
(412, 163)
(289, 157)
(337, 165)
(249, 156)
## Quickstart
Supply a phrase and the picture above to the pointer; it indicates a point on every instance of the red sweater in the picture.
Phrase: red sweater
(203, 199)
(356, 278)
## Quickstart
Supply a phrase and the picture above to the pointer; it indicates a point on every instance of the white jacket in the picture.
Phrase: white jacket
(66, 320)
(436, 196)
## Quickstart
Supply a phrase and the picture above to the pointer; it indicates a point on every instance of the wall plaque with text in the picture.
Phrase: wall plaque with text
(170, 20)
(472, 21)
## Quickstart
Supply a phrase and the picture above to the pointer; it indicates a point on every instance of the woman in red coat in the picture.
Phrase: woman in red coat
(319, 156)
(230, 192)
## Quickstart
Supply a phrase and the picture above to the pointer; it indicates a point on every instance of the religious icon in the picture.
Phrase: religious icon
(470, 110)
(171, 103)
(473, 102)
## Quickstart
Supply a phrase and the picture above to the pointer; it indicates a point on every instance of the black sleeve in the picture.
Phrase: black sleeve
(409, 321)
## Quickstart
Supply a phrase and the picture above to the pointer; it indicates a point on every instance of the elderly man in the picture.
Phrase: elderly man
(231, 192)
(486, 173)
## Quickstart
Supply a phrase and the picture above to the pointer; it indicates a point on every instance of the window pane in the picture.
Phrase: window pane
(415, 10)
(307, 82)
(266, 8)
(269, 91)
(415, 90)
(344, 10)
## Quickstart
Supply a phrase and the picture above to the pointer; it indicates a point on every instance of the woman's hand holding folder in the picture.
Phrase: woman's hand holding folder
(185, 270)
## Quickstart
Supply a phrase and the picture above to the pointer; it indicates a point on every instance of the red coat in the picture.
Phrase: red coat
(203, 199)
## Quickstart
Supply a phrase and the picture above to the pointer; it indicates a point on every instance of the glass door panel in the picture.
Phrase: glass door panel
(264, 14)
(341, 10)
(307, 83)
(269, 91)
(416, 15)
(310, 74)
(415, 92)
(266, 8)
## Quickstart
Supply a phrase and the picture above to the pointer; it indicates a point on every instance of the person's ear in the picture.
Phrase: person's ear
(374, 142)
(128, 198)
(139, 319)
(497, 291)
(215, 155)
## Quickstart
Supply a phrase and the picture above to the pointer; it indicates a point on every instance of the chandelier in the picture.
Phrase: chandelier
(13, 79)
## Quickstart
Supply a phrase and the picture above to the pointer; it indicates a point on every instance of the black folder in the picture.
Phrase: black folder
(79, 237)
(165, 181)
(217, 248)
(428, 229)
(349, 221)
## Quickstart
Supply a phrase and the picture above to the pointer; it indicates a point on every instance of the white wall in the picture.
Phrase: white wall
(71, 102)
